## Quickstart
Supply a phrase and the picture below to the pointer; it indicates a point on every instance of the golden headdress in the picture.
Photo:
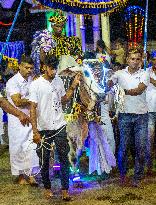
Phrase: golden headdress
(58, 18)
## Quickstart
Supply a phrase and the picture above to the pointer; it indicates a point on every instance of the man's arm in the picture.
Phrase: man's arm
(70, 91)
(8, 107)
(153, 81)
(18, 101)
(33, 117)
(137, 91)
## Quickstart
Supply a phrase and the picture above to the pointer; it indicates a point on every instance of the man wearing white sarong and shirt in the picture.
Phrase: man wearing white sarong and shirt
(22, 154)
(133, 118)
(151, 102)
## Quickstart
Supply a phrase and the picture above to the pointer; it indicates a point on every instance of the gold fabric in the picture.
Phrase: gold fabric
(66, 46)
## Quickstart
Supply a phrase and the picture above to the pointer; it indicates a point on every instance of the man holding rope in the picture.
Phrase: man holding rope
(47, 94)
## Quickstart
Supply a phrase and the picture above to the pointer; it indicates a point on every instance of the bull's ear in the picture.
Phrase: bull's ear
(86, 73)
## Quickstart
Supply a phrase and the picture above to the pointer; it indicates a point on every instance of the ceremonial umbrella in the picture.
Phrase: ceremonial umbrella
(91, 7)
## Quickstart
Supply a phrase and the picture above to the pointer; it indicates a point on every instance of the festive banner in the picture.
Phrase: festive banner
(12, 53)
(91, 7)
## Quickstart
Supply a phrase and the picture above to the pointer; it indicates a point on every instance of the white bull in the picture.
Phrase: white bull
(68, 66)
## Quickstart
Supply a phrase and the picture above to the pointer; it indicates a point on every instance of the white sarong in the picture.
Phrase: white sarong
(22, 149)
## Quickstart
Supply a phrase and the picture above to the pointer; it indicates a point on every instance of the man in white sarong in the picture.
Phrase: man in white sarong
(22, 150)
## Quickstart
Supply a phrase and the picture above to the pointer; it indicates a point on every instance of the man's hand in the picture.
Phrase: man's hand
(70, 91)
(97, 119)
(24, 119)
(36, 138)
(110, 83)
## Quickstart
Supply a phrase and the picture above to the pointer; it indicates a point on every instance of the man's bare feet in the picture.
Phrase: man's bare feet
(21, 180)
(65, 195)
(48, 193)
(32, 181)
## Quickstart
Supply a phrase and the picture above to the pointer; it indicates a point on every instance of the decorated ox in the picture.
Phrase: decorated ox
(92, 91)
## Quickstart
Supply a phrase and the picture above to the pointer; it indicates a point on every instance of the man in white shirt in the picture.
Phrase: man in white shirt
(22, 154)
(151, 102)
(133, 118)
(47, 94)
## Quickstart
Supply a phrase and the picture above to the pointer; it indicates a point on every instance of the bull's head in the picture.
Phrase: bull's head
(92, 71)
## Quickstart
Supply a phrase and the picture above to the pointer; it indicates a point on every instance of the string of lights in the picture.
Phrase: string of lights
(134, 18)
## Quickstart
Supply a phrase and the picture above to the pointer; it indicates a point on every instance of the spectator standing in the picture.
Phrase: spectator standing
(133, 117)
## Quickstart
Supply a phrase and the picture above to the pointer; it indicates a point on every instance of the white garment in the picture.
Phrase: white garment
(22, 150)
(17, 84)
(1, 126)
(107, 126)
(132, 104)
(151, 93)
(101, 158)
(48, 95)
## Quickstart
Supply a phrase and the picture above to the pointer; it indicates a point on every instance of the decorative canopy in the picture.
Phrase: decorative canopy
(91, 7)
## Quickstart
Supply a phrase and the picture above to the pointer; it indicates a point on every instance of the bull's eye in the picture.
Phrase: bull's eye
(86, 73)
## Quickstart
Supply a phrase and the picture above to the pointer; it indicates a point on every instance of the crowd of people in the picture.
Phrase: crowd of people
(36, 99)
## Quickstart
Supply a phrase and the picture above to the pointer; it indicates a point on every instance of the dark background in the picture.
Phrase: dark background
(28, 23)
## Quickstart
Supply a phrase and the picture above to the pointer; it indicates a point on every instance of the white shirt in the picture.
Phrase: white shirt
(48, 95)
(151, 92)
(17, 84)
(132, 104)
(1, 95)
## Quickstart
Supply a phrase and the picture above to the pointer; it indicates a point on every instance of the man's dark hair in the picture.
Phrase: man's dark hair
(102, 45)
(51, 61)
(26, 59)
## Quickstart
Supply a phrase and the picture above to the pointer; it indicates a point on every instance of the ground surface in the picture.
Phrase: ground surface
(106, 193)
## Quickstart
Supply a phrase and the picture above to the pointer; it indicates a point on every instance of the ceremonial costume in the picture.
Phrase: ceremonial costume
(53, 44)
